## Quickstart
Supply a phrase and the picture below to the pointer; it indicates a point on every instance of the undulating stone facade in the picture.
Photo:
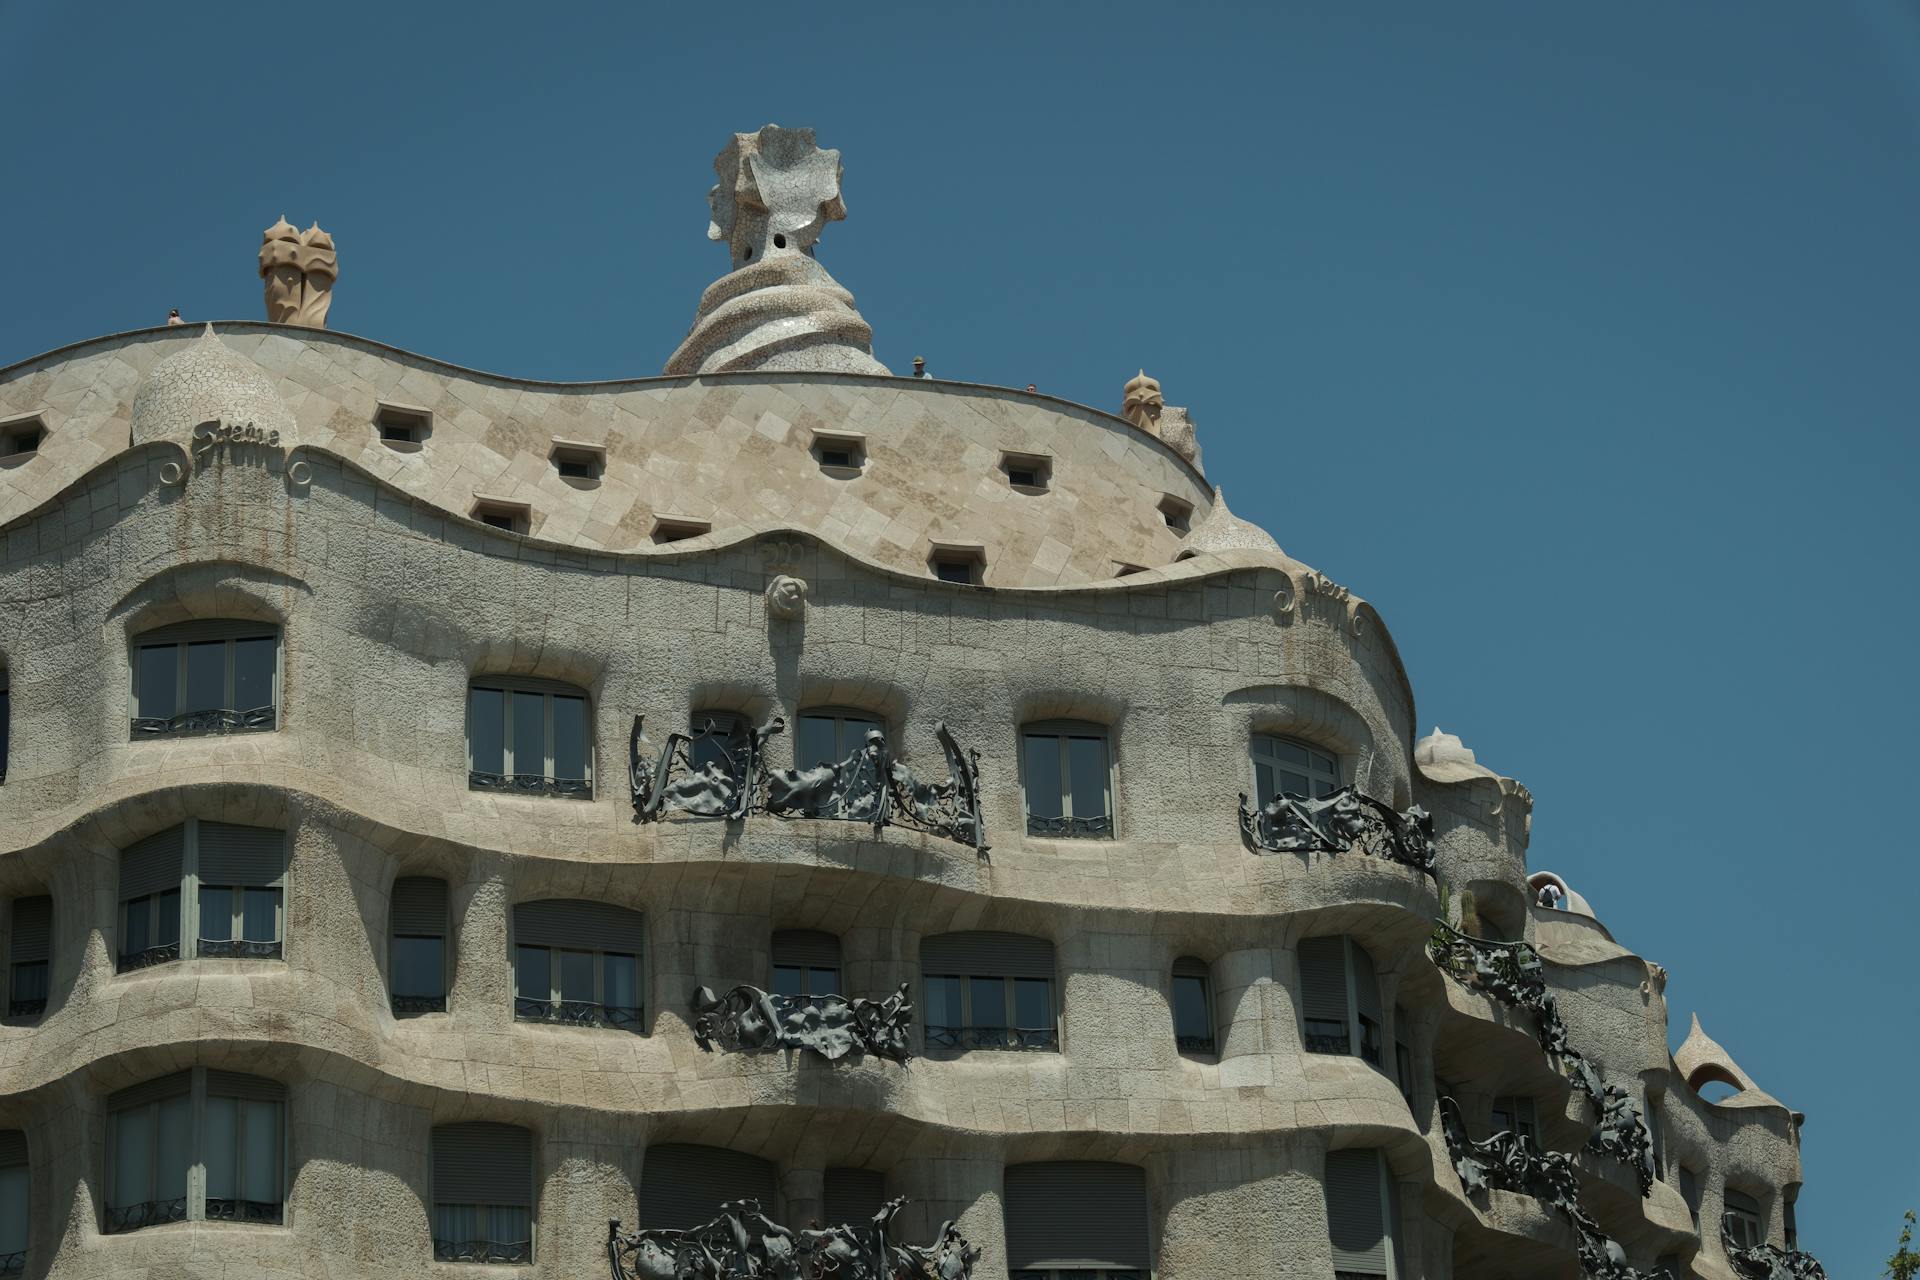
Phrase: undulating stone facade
(1197, 934)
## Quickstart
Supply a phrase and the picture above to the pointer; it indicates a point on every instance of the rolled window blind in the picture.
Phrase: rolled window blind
(1741, 1202)
(1323, 978)
(235, 1084)
(152, 865)
(483, 1162)
(230, 854)
(852, 1196)
(578, 925)
(139, 1095)
(13, 1148)
(806, 946)
(32, 929)
(1356, 1221)
(206, 629)
(683, 1185)
(1076, 1213)
(419, 906)
(987, 954)
(1188, 967)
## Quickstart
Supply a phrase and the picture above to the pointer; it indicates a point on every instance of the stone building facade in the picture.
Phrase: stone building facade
(393, 749)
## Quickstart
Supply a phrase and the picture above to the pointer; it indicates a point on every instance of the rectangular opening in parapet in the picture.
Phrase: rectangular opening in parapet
(403, 427)
(670, 529)
(579, 463)
(841, 454)
(962, 564)
(20, 437)
(510, 517)
(1124, 570)
(1177, 514)
(1027, 472)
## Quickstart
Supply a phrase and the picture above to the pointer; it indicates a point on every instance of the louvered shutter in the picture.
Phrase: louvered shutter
(852, 1196)
(139, 1095)
(1356, 1224)
(13, 1148)
(1188, 967)
(987, 955)
(1076, 1213)
(806, 947)
(578, 925)
(683, 1185)
(1323, 979)
(207, 629)
(483, 1162)
(235, 1084)
(152, 865)
(419, 906)
(32, 929)
(1366, 984)
(234, 855)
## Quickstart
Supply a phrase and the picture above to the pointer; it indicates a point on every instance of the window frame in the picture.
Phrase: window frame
(1753, 1222)
(1389, 1218)
(228, 632)
(597, 1016)
(807, 968)
(544, 783)
(1403, 1051)
(531, 1209)
(1333, 775)
(18, 1010)
(1209, 1044)
(438, 1003)
(1014, 1038)
(1357, 1022)
(1066, 731)
(14, 1262)
(188, 944)
(1521, 1113)
(193, 1204)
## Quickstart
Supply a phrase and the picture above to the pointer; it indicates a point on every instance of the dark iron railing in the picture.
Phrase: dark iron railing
(1338, 822)
(1030, 1038)
(1194, 1044)
(236, 949)
(162, 954)
(577, 1013)
(1327, 1036)
(509, 1251)
(196, 723)
(148, 1213)
(403, 1006)
(26, 1008)
(1099, 827)
(530, 784)
(13, 1264)
(219, 1210)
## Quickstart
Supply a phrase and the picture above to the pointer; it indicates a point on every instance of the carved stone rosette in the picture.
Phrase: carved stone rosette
(742, 1241)
(1336, 823)
(1766, 1262)
(749, 1020)
(710, 774)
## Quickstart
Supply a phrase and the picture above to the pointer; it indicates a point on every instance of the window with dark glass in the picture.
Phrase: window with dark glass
(1067, 778)
(29, 950)
(806, 962)
(240, 1142)
(482, 1193)
(1690, 1192)
(15, 1194)
(987, 990)
(1515, 1115)
(1403, 1051)
(530, 737)
(1742, 1219)
(1340, 998)
(1362, 1213)
(203, 888)
(206, 677)
(832, 735)
(1285, 765)
(1076, 1220)
(1192, 1007)
(417, 945)
(577, 963)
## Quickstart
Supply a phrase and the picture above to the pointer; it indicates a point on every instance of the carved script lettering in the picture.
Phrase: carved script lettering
(209, 436)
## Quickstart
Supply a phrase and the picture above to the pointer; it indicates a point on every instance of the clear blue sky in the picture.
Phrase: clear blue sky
(1581, 339)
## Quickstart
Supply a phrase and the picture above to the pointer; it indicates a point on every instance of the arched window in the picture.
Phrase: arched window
(29, 950)
(533, 737)
(1362, 1214)
(1293, 767)
(14, 1202)
(1339, 998)
(988, 990)
(1192, 1007)
(806, 962)
(208, 676)
(1077, 1220)
(482, 1192)
(203, 888)
(683, 1185)
(578, 962)
(240, 1142)
(417, 945)
(1742, 1218)
(1066, 776)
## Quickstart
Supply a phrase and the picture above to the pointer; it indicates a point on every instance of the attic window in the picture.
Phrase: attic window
(401, 425)
(511, 517)
(578, 461)
(674, 529)
(20, 437)
(955, 563)
(840, 453)
(1122, 570)
(1177, 514)
(1027, 472)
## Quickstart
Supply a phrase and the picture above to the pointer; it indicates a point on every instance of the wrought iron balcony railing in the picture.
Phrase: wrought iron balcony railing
(1043, 1039)
(530, 784)
(742, 1241)
(148, 1213)
(404, 1006)
(13, 1264)
(190, 724)
(708, 773)
(236, 949)
(219, 1210)
(1769, 1262)
(509, 1251)
(1338, 822)
(1324, 1035)
(26, 1008)
(749, 1020)
(577, 1013)
(1099, 827)
(1194, 1044)
(131, 960)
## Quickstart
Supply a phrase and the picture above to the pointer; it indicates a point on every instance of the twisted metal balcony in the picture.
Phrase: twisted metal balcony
(162, 954)
(577, 1013)
(530, 784)
(508, 1251)
(1096, 827)
(1038, 1039)
(190, 724)
(1337, 822)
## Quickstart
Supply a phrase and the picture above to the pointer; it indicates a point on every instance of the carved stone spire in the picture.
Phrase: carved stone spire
(298, 271)
(1142, 404)
(778, 308)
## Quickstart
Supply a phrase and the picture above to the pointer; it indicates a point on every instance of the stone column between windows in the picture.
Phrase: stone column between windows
(1254, 1211)
(803, 1196)
(1258, 1016)
(965, 1188)
(875, 960)
(481, 985)
(1107, 1000)
(584, 1166)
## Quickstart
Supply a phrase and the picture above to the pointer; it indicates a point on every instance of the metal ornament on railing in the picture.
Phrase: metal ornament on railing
(712, 774)
(1767, 1262)
(1338, 821)
(744, 1243)
(189, 723)
(749, 1020)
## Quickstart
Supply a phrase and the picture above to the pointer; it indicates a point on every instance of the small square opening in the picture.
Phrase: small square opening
(1028, 472)
(579, 462)
(21, 437)
(674, 529)
(964, 565)
(403, 426)
(509, 517)
(1177, 513)
(840, 454)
